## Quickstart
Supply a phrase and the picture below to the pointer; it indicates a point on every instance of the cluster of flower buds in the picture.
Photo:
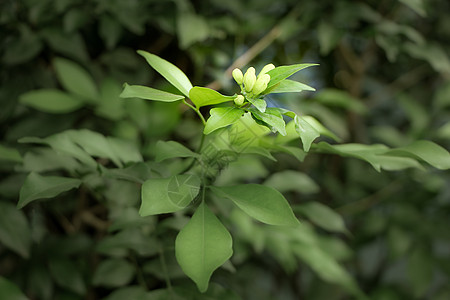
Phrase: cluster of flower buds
(253, 84)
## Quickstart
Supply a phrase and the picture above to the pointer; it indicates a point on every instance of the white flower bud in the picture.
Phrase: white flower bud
(237, 75)
(239, 100)
(261, 84)
(249, 79)
(266, 69)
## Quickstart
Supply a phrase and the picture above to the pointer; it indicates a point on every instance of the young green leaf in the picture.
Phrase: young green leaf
(202, 96)
(38, 187)
(166, 195)
(172, 149)
(280, 73)
(221, 117)
(306, 131)
(290, 180)
(202, 246)
(75, 79)
(260, 104)
(289, 86)
(263, 203)
(143, 92)
(15, 232)
(322, 216)
(169, 71)
(51, 101)
(273, 118)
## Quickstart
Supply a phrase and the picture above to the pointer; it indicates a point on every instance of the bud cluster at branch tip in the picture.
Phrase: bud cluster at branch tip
(250, 83)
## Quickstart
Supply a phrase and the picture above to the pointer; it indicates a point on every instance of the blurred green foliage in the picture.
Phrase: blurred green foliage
(384, 77)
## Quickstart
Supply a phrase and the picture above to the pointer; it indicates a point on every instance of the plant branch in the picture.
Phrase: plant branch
(197, 111)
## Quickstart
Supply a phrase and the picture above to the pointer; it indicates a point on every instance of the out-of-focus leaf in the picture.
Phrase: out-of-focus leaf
(191, 28)
(322, 216)
(288, 180)
(10, 154)
(22, 48)
(329, 36)
(110, 31)
(129, 292)
(169, 71)
(202, 246)
(420, 271)
(334, 97)
(51, 101)
(114, 272)
(71, 45)
(14, 230)
(68, 275)
(416, 5)
(39, 187)
(10, 291)
(75, 79)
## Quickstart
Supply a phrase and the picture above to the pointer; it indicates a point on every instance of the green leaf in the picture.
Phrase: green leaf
(10, 291)
(202, 96)
(114, 272)
(221, 117)
(260, 104)
(280, 73)
(10, 154)
(172, 149)
(143, 92)
(75, 79)
(427, 151)
(273, 118)
(67, 274)
(364, 152)
(263, 203)
(306, 131)
(14, 230)
(322, 216)
(289, 180)
(51, 101)
(202, 246)
(166, 195)
(129, 292)
(39, 187)
(322, 130)
(289, 86)
(169, 71)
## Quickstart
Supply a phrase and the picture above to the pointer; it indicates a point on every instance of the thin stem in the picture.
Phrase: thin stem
(198, 151)
(197, 111)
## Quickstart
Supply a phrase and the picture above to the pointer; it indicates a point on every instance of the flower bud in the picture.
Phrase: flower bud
(239, 100)
(261, 84)
(266, 69)
(249, 79)
(237, 75)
